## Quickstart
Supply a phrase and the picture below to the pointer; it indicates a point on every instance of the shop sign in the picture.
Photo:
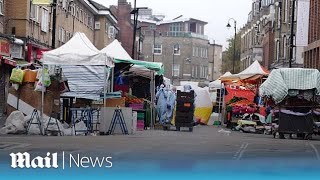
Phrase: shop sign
(42, 2)
(40, 53)
(10, 62)
(4, 47)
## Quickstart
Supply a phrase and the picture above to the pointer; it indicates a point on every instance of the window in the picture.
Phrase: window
(97, 25)
(176, 49)
(64, 4)
(194, 51)
(81, 15)
(197, 52)
(277, 50)
(77, 13)
(1, 7)
(176, 70)
(192, 72)
(157, 49)
(176, 29)
(286, 11)
(90, 21)
(16, 51)
(284, 47)
(62, 34)
(32, 10)
(111, 31)
(45, 21)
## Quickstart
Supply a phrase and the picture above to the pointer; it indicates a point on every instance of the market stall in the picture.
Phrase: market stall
(294, 93)
(135, 79)
(77, 53)
(242, 97)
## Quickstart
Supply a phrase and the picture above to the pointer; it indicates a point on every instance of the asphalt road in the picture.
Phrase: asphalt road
(204, 148)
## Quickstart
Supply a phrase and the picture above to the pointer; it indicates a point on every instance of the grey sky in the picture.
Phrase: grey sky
(215, 12)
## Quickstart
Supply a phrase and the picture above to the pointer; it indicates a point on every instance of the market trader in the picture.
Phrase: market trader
(171, 102)
(162, 104)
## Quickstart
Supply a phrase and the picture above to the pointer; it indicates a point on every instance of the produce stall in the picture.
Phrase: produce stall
(294, 93)
(242, 95)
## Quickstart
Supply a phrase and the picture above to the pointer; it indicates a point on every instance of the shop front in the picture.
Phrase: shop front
(35, 52)
(4, 63)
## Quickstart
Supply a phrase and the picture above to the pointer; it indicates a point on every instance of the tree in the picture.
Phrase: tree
(227, 58)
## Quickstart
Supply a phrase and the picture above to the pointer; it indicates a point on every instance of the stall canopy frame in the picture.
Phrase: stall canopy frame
(77, 51)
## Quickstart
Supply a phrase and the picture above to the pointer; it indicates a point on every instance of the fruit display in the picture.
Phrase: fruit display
(133, 99)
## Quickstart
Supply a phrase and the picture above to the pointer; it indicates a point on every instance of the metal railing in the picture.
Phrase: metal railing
(176, 34)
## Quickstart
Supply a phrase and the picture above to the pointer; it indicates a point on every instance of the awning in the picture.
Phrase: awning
(155, 66)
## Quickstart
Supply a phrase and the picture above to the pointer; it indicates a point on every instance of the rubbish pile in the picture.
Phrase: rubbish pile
(17, 123)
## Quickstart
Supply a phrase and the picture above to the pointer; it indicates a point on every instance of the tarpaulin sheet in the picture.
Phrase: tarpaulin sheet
(84, 81)
(280, 81)
(239, 93)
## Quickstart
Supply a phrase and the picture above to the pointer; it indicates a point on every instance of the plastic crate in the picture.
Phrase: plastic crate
(140, 116)
(137, 106)
(140, 125)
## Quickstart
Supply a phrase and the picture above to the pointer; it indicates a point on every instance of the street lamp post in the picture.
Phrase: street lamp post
(234, 42)
(175, 48)
(292, 32)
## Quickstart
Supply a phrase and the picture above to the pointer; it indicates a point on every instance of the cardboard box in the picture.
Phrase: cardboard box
(116, 102)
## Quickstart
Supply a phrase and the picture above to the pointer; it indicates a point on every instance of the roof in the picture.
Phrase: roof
(77, 51)
(98, 6)
(254, 69)
(170, 21)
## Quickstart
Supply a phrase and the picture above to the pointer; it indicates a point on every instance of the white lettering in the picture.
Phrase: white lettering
(97, 160)
(77, 163)
(85, 160)
(55, 160)
(20, 160)
(47, 161)
(109, 162)
(37, 162)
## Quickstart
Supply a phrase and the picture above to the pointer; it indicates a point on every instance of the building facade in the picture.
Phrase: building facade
(312, 51)
(180, 44)
(266, 36)
(26, 31)
(215, 62)
(123, 14)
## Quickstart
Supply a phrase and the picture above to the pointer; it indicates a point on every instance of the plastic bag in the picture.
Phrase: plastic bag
(17, 76)
(15, 124)
(39, 74)
(39, 86)
(46, 78)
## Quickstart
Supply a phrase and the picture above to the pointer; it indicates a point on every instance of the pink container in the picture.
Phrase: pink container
(140, 125)
(136, 106)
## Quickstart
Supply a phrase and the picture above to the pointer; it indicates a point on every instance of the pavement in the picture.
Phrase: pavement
(206, 147)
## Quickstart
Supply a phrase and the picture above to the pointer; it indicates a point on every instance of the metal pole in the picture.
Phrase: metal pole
(154, 44)
(172, 67)
(234, 46)
(54, 22)
(280, 30)
(135, 19)
(292, 33)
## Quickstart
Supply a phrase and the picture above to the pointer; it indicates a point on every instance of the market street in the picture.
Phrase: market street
(205, 143)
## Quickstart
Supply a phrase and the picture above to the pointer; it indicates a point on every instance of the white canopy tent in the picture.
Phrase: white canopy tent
(116, 51)
(78, 51)
(254, 69)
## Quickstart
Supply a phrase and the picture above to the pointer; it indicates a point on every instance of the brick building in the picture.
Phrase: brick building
(312, 51)
(266, 36)
(26, 30)
(123, 14)
(215, 61)
(180, 44)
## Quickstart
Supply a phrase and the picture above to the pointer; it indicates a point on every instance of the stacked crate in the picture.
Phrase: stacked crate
(185, 109)
(140, 121)
(140, 115)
